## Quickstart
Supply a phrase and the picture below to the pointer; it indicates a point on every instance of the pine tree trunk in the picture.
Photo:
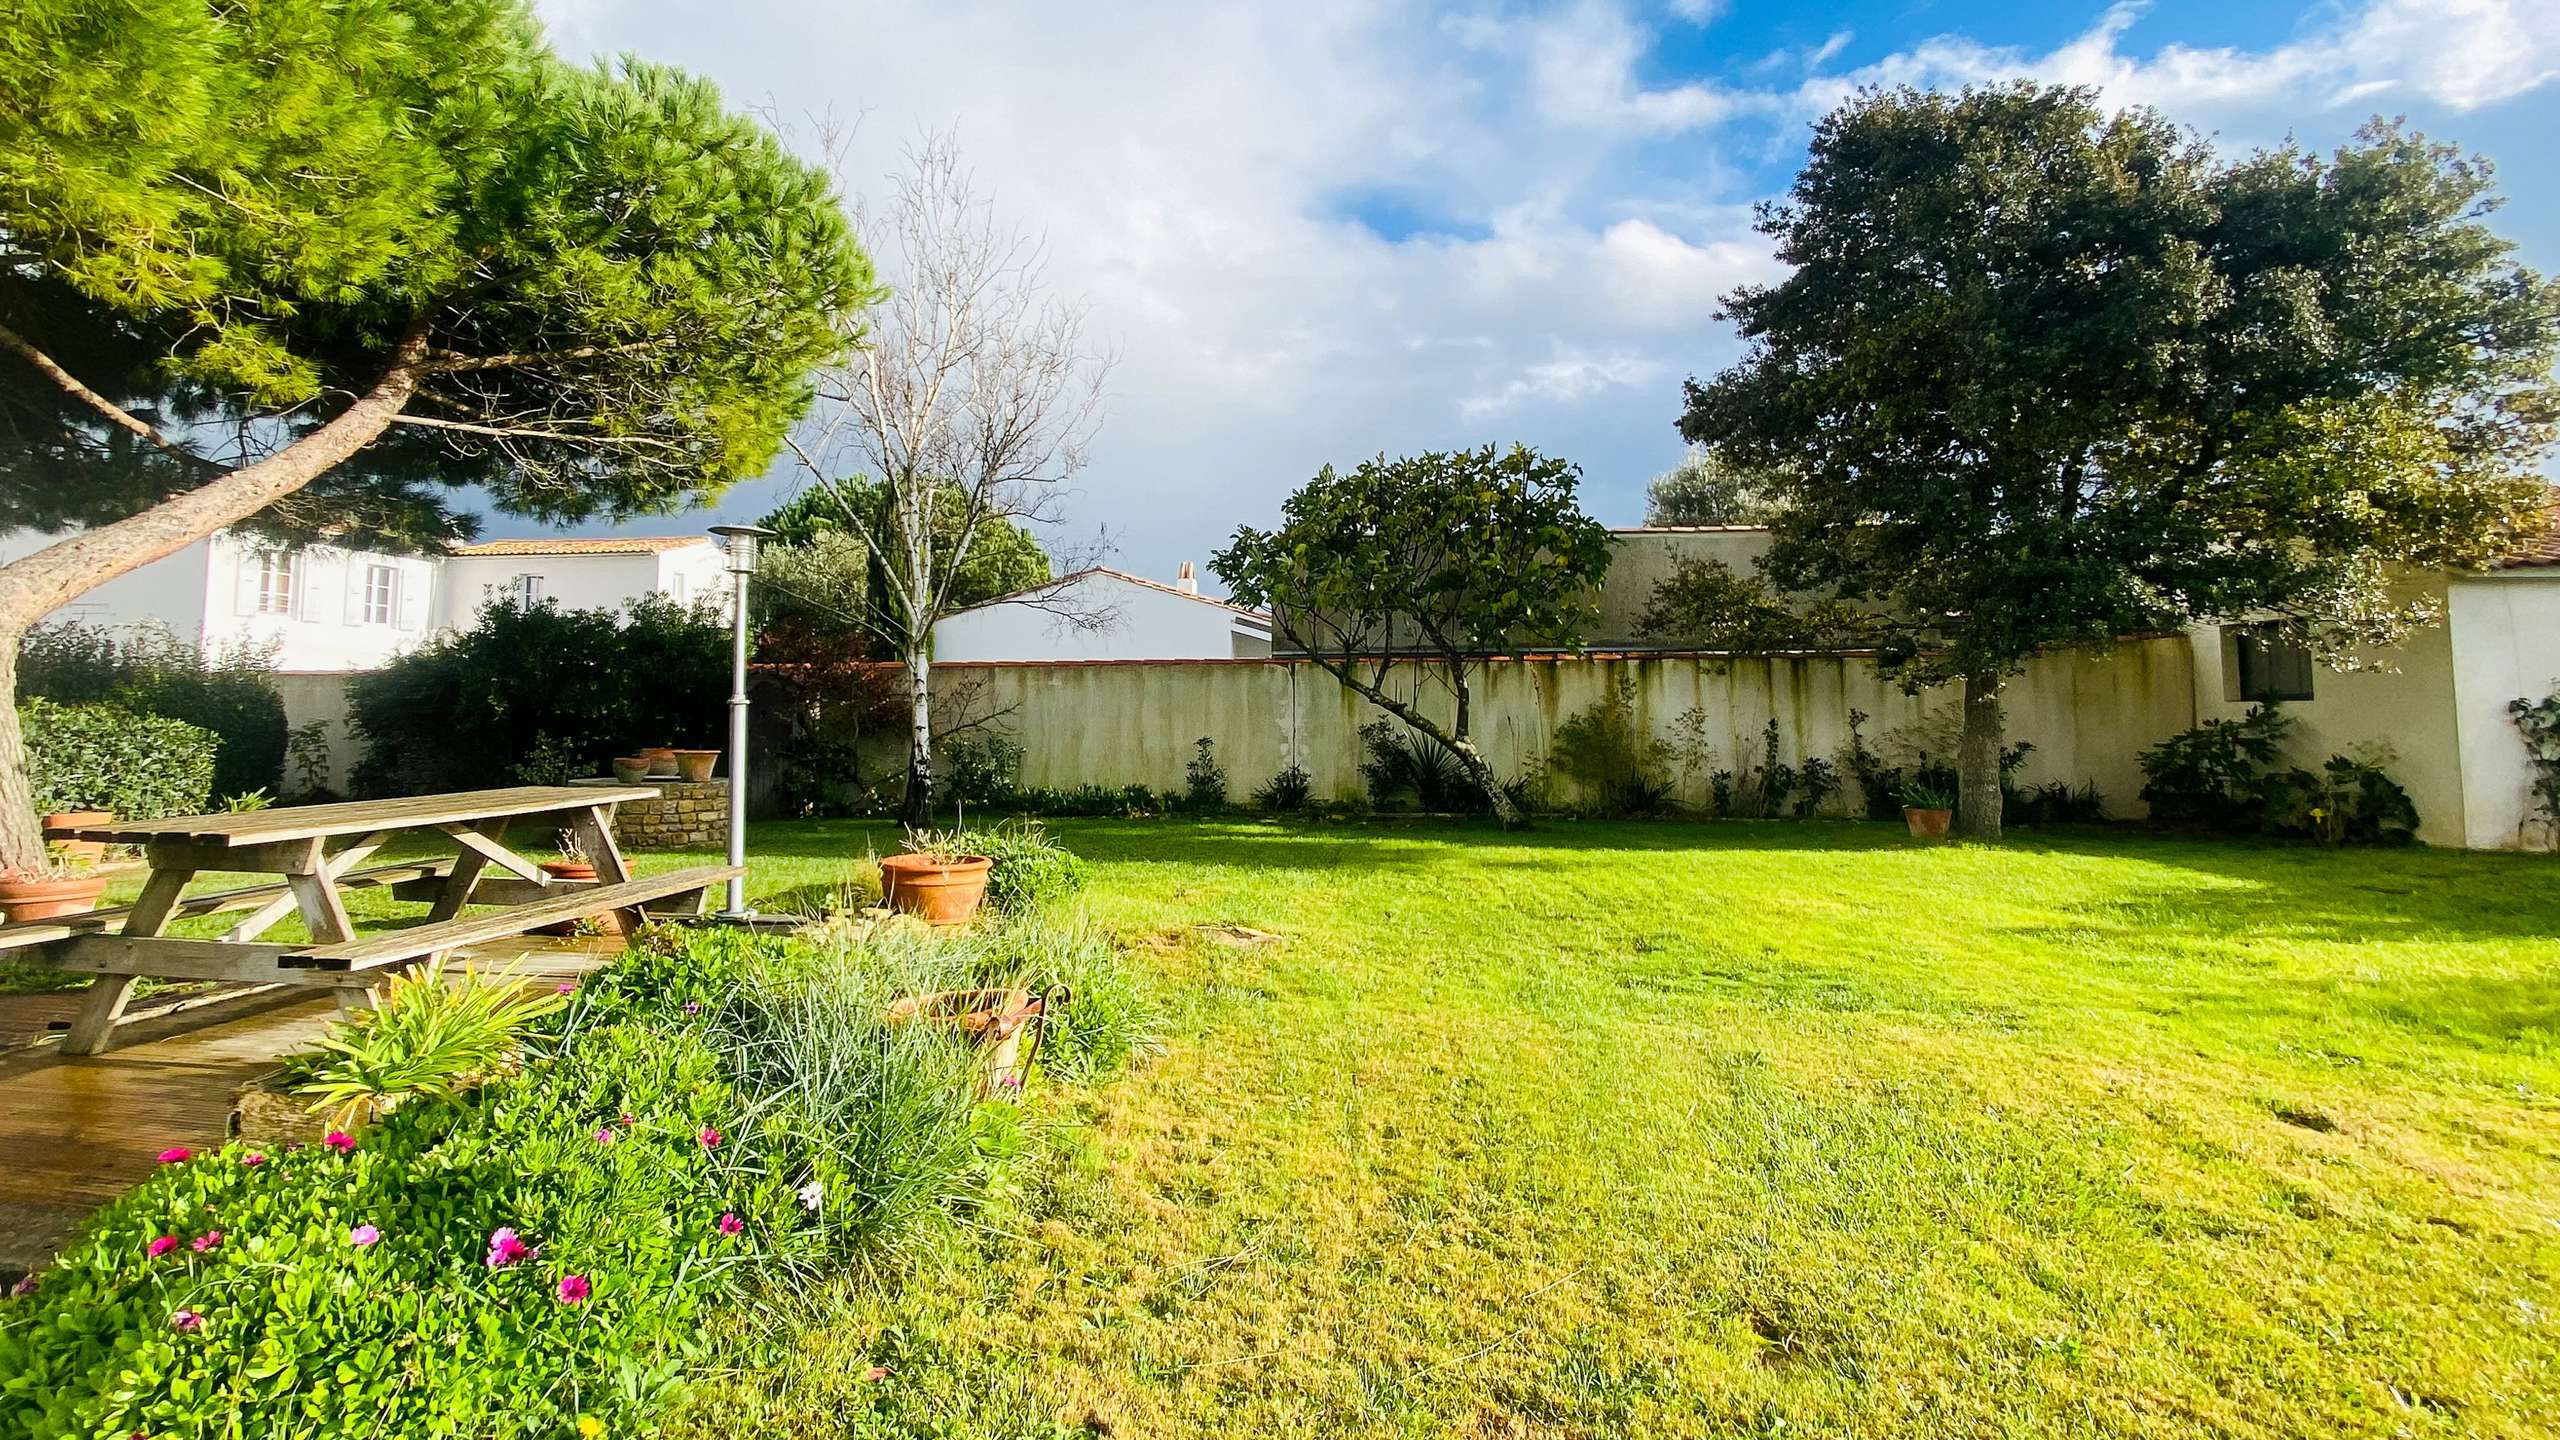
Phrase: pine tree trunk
(36, 585)
(21, 838)
(1978, 759)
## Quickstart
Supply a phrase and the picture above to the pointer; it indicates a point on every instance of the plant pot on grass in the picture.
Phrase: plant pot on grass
(1002, 1023)
(630, 769)
(694, 766)
(1927, 811)
(51, 891)
(939, 889)
(88, 852)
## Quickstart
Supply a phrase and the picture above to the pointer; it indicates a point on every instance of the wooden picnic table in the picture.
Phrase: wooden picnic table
(293, 843)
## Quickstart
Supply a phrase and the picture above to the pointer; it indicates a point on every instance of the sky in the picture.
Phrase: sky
(1319, 231)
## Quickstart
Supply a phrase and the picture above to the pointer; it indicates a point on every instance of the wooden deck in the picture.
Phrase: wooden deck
(76, 1132)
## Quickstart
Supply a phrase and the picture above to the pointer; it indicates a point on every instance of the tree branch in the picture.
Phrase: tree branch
(115, 414)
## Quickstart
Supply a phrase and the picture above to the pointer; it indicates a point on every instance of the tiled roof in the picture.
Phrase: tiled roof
(2540, 550)
(606, 545)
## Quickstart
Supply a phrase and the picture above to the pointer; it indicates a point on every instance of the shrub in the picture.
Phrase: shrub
(106, 757)
(2539, 722)
(1110, 1018)
(149, 671)
(1287, 791)
(426, 1039)
(2349, 800)
(980, 769)
(537, 685)
(1204, 780)
(1031, 870)
(1404, 768)
(1615, 769)
(2210, 775)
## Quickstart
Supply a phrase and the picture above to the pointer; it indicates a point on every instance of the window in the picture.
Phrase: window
(381, 594)
(2265, 662)
(275, 582)
(528, 590)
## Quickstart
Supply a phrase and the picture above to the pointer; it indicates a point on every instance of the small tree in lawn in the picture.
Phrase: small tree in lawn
(2047, 377)
(970, 404)
(1450, 556)
(304, 265)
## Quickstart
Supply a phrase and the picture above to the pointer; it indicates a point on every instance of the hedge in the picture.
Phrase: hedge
(106, 757)
(231, 693)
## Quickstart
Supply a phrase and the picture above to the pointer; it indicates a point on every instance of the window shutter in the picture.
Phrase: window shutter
(244, 580)
(409, 596)
(353, 592)
(307, 602)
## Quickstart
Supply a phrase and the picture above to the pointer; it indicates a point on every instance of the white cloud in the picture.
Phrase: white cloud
(1188, 166)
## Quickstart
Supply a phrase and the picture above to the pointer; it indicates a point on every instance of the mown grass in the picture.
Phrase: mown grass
(1744, 1129)
(1756, 1129)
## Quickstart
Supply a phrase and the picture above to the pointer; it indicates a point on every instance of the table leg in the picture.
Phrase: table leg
(467, 867)
(104, 1005)
(593, 828)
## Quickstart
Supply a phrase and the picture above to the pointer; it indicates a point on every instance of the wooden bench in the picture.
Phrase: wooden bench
(275, 896)
(635, 900)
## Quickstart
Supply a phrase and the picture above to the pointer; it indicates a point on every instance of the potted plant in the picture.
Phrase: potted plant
(937, 887)
(574, 864)
(1003, 1022)
(1928, 810)
(79, 851)
(694, 766)
(662, 761)
(631, 769)
(59, 886)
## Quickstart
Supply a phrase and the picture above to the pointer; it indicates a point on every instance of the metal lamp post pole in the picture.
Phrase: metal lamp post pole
(742, 563)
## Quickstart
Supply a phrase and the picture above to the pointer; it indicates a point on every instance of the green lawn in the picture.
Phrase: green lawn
(1663, 1130)
(1673, 1130)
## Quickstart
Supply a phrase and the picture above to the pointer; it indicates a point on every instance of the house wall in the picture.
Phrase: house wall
(319, 695)
(169, 591)
(2505, 647)
(2406, 710)
(1136, 723)
(1143, 623)
(577, 582)
(1641, 559)
(327, 628)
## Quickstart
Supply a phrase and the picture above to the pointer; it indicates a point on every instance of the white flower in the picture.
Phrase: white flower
(811, 1194)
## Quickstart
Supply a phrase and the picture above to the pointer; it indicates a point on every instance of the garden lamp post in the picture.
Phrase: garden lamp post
(742, 563)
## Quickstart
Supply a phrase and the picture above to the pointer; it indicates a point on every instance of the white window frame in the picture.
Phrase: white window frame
(528, 589)
(381, 593)
(279, 578)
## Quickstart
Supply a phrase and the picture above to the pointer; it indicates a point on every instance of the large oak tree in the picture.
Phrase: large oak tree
(308, 264)
(2046, 376)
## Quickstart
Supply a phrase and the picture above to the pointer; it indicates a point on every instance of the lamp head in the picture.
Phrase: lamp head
(742, 545)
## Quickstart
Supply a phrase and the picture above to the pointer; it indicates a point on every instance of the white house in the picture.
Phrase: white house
(321, 608)
(1105, 614)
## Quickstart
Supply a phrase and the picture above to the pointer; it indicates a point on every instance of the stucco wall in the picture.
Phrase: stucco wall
(169, 591)
(1120, 724)
(577, 582)
(327, 628)
(1138, 622)
(2506, 647)
(1642, 559)
(319, 695)
(2406, 710)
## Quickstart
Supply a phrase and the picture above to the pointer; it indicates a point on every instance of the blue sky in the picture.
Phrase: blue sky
(1319, 231)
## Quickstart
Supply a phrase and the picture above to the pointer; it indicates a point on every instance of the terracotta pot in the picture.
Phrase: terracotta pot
(939, 889)
(662, 761)
(1003, 1022)
(1928, 824)
(631, 769)
(694, 766)
(90, 851)
(45, 898)
(565, 870)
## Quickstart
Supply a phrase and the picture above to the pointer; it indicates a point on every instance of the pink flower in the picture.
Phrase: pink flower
(710, 1138)
(254, 1157)
(162, 1246)
(627, 1120)
(606, 1136)
(574, 1289)
(693, 1007)
(339, 1140)
(505, 1248)
(730, 1224)
(186, 1322)
(209, 1240)
(363, 1235)
(26, 1285)
(568, 987)
(176, 1153)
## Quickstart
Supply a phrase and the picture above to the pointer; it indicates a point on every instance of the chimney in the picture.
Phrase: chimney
(1186, 579)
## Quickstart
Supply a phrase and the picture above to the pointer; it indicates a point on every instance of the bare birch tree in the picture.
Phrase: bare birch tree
(972, 391)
